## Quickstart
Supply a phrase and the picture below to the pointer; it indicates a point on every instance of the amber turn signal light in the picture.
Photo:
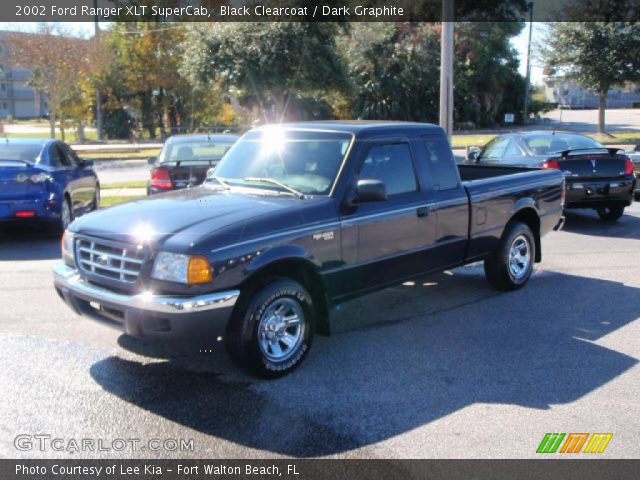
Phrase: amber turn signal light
(199, 270)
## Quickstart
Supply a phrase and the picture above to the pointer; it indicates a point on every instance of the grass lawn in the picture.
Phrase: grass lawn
(619, 137)
(70, 136)
(462, 141)
(129, 154)
(111, 201)
(130, 184)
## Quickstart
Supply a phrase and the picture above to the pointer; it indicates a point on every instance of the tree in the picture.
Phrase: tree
(394, 70)
(270, 63)
(597, 55)
(144, 73)
(56, 61)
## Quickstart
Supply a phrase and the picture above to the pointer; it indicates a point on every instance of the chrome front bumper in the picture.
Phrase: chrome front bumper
(196, 319)
(69, 278)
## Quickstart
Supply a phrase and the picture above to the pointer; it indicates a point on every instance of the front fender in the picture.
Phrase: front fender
(277, 254)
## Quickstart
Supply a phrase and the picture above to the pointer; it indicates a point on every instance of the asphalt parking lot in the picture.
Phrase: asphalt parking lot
(443, 367)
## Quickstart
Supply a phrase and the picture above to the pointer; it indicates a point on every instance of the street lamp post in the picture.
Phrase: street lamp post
(527, 92)
(446, 68)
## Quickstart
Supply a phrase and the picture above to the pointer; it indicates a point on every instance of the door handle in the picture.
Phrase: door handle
(423, 212)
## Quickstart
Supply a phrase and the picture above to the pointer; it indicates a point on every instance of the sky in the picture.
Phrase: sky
(519, 42)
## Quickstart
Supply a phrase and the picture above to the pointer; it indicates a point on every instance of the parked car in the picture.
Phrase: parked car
(185, 159)
(44, 180)
(596, 177)
(297, 219)
(634, 155)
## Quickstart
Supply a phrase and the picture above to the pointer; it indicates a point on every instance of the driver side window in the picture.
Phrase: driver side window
(391, 164)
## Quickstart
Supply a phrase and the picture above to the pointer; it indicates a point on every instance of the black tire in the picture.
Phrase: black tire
(66, 217)
(255, 338)
(95, 205)
(510, 267)
(610, 214)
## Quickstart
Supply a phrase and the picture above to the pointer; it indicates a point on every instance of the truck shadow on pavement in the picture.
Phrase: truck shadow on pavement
(28, 243)
(532, 348)
(587, 222)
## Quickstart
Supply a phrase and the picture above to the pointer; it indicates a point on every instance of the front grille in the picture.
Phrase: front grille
(110, 260)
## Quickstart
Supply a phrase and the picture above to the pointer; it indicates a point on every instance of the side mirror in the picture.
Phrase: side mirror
(370, 191)
(473, 154)
(152, 160)
(637, 148)
(86, 163)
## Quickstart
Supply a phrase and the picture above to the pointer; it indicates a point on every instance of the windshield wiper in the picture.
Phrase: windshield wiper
(275, 182)
(221, 181)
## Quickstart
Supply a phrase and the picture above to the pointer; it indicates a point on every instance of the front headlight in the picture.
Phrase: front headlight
(176, 267)
(68, 252)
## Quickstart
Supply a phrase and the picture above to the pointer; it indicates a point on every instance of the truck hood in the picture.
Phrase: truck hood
(185, 217)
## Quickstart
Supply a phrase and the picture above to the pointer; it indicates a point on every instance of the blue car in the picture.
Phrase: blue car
(44, 180)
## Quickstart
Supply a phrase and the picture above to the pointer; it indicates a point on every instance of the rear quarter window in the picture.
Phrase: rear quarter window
(443, 166)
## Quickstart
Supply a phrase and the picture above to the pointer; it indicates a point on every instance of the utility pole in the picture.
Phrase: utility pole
(446, 68)
(98, 96)
(527, 82)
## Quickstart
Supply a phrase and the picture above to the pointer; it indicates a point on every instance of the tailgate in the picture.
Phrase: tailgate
(592, 166)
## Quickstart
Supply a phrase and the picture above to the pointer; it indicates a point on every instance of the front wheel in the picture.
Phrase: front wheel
(610, 214)
(273, 332)
(510, 267)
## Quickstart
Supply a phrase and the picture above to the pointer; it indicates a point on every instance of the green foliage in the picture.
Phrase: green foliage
(265, 63)
(117, 123)
(395, 69)
(596, 55)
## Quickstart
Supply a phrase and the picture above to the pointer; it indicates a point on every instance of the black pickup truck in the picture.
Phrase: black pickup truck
(294, 220)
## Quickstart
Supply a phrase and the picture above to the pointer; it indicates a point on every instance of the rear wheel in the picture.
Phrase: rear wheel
(610, 214)
(65, 217)
(510, 267)
(272, 333)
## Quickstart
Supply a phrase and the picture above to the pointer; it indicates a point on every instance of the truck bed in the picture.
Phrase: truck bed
(496, 192)
(470, 173)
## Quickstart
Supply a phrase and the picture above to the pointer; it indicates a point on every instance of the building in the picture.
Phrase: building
(17, 98)
(569, 94)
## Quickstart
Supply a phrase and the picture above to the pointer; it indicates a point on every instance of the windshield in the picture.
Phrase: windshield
(306, 161)
(194, 151)
(552, 143)
(11, 152)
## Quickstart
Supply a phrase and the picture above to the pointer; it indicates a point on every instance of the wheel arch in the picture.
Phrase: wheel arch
(296, 266)
(529, 216)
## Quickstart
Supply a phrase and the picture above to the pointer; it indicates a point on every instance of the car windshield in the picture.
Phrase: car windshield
(194, 151)
(551, 143)
(305, 161)
(13, 152)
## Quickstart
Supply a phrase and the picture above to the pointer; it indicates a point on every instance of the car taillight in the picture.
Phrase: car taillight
(628, 166)
(160, 178)
(25, 214)
(551, 163)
